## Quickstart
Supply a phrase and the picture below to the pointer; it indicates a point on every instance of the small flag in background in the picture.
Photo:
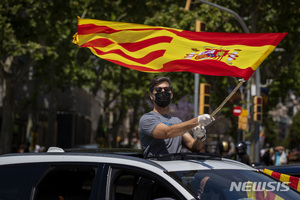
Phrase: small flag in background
(159, 49)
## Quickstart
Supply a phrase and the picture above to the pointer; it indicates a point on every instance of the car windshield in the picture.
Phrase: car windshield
(233, 185)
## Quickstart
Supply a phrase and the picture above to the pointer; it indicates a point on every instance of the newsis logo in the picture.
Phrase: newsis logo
(259, 186)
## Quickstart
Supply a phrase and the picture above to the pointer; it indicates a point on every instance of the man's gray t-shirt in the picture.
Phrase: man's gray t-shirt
(152, 146)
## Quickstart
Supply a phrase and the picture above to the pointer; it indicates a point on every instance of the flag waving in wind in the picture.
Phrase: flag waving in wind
(159, 49)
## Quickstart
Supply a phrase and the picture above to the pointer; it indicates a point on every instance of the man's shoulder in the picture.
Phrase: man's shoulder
(152, 112)
(158, 116)
(148, 115)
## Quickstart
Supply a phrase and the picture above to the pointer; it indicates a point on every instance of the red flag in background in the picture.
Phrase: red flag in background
(159, 49)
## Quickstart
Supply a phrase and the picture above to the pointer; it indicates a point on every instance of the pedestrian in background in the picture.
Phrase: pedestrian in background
(241, 150)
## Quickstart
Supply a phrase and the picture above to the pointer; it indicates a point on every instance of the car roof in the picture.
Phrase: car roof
(169, 163)
(186, 165)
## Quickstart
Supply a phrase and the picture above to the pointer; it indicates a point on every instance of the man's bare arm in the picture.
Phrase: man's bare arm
(191, 144)
(162, 131)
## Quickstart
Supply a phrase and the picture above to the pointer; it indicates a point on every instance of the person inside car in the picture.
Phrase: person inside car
(161, 133)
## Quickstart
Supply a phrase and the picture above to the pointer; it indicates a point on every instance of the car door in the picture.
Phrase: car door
(133, 183)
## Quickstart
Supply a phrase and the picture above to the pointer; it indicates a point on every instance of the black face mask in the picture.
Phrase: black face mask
(163, 99)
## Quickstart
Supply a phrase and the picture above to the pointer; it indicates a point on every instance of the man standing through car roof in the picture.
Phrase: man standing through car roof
(161, 133)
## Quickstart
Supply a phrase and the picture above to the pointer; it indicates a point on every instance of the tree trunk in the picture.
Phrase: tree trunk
(116, 127)
(31, 129)
(133, 122)
(8, 119)
(51, 134)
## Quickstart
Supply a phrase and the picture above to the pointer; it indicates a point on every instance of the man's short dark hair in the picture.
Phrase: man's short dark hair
(158, 80)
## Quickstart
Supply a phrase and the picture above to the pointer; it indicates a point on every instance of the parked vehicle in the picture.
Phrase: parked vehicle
(57, 174)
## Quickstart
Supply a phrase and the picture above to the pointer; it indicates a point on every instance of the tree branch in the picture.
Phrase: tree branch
(290, 55)
(4, 65)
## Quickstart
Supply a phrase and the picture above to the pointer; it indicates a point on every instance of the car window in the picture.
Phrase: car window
(129, 185)
(16, 180)
(233, 185)
(66, 182)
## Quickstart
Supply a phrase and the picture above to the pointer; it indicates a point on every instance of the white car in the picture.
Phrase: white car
(115, 176)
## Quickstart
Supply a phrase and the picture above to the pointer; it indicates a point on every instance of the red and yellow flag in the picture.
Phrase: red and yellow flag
(292, 181)
(159, 49)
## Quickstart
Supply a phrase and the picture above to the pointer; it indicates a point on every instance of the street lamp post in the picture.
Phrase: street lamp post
(257, 75)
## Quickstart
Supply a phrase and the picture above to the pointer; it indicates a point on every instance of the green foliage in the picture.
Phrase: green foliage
(271, 132)
(293, 137)
(41, 31)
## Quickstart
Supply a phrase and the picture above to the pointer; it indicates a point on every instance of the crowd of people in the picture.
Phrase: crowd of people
(26, 149)
(268, 156)
(274, 156)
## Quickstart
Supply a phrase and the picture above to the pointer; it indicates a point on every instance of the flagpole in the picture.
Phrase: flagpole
(241, 81)
(200, 27)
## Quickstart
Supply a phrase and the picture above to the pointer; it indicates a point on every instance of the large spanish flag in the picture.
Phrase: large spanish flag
(159, 49)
